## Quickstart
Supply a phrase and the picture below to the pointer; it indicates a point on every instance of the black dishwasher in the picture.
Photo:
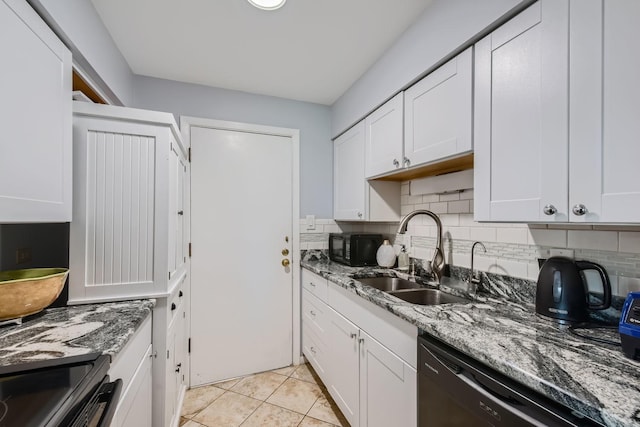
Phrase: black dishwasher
(455, 390)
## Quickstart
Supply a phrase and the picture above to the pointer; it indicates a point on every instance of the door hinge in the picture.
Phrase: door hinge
(189, 154)
(189, 346)
(189, 249)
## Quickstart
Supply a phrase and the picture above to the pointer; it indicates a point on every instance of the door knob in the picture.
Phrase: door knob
(579, 209)
(549, 210)
(285, 262)
(285, 252)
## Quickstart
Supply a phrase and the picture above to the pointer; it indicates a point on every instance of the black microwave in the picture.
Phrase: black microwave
(354, 249)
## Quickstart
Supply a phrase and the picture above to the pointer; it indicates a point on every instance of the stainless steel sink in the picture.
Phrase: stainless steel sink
(388, 284)
(428, 297)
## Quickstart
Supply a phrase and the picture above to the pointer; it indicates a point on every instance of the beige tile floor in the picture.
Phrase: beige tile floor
(292, 396)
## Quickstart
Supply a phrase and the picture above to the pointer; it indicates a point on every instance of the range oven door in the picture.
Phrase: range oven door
(454, 390)
(59, 393)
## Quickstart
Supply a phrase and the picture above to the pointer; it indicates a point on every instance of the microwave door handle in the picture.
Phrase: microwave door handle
(112, 394)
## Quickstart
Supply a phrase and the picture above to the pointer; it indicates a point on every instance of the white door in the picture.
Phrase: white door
(241, 222)
(604, 176)
(521, 117)
(438, 112)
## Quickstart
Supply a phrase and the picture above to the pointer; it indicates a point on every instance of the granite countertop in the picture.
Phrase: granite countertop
(505, 333)
(70, 331)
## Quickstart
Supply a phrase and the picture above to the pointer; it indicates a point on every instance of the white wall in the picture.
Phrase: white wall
(313, 121)
(79, 26)
(443, 27)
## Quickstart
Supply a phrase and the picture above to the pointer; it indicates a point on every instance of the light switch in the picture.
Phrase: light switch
(311, 222)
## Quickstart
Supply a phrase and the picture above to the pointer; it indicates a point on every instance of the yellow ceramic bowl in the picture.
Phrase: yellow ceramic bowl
(25, 292)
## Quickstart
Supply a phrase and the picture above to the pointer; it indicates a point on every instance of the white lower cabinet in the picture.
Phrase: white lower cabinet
(365, 356)
(343, 362)
(386, 381)
(133, 366)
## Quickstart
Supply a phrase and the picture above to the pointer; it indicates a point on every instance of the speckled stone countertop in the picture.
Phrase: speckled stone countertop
(76, 330)
(502, 330)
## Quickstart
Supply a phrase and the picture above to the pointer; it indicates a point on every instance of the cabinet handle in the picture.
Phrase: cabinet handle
(579, 209)
(359, 214)
(549, 210)
(313, 313)
(353, 335)
(180, 294)
(313, 350)
(312, 284)
(406, 161)
(178, 366)
(396, 163)
(173, 306)
(180, 212)
(361, 340)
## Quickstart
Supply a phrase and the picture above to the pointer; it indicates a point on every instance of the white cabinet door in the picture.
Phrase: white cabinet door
(438, 112)
(521, 117)
(35, 106)
(383, 147)
(177, 222)
(348, 175)
(343, 365)
(138, 402)
(388, 387)
(605, 111)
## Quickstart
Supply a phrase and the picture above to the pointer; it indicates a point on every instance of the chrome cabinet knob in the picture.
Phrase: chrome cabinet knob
(396, 163)
(353, 335)
(579, 209)
(549, 210)
(406, 161)
(359, 214)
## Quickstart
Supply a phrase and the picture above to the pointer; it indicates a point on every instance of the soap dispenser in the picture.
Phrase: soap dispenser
(403, 259)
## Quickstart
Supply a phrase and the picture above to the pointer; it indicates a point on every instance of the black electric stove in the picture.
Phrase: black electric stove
(73, 391)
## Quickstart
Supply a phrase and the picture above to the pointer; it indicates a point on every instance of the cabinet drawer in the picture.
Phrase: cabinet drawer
(314, 314)
(315, 284)
(315, 352)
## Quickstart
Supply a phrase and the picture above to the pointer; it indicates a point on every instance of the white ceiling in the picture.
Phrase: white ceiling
(310, 50)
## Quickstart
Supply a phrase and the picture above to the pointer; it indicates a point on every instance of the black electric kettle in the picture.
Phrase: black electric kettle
(562, 291)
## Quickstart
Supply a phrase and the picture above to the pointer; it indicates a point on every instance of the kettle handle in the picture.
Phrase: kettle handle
(606, 284)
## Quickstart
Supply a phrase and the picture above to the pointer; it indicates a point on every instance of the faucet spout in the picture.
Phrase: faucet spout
(473, 279)
(437, 262)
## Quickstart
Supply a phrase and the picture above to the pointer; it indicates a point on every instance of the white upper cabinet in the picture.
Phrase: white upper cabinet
(604, 176)
(355, 199)
(521, 120)
(383, 133)
(35, 106)
(437, 109)
(128, 236)
(348, 175)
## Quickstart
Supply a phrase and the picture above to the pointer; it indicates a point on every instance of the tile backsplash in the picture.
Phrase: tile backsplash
(512, 248)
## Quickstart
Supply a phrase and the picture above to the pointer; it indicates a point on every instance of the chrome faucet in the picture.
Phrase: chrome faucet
(473, 279)
(437, 263)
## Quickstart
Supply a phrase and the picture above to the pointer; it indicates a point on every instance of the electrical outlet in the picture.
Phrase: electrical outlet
(311, 222)
(23, 255)
(567, 253)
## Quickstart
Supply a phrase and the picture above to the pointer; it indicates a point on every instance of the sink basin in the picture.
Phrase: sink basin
(388, 284)
(428, 297)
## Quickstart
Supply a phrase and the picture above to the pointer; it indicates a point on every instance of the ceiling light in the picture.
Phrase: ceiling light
(268, 4)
